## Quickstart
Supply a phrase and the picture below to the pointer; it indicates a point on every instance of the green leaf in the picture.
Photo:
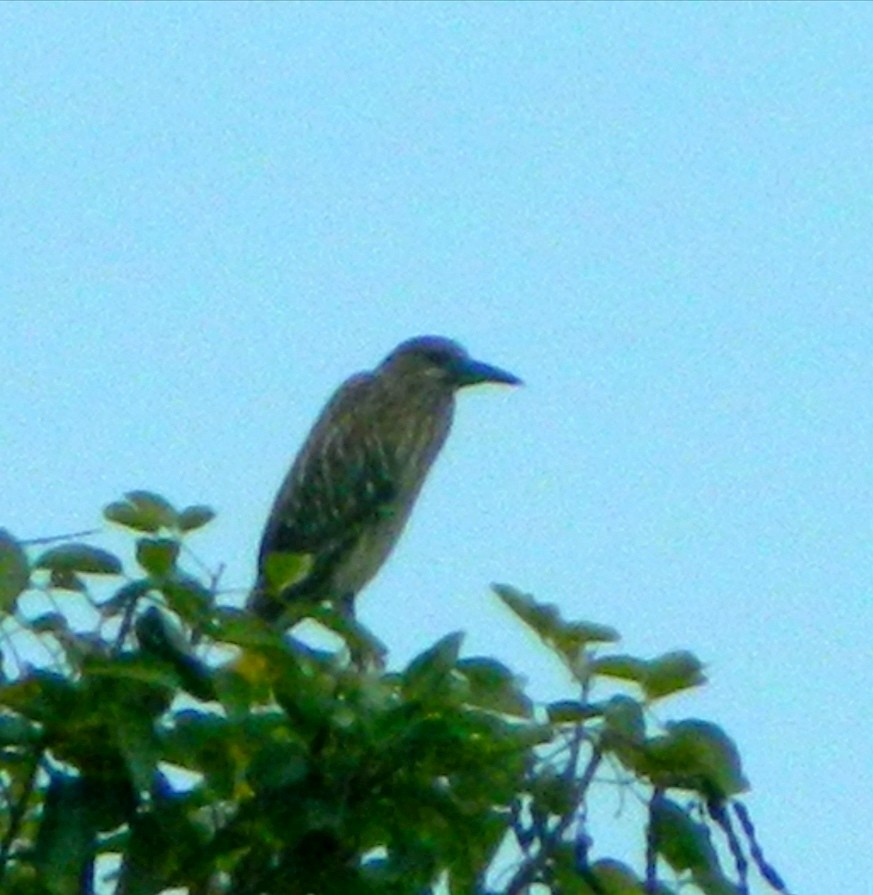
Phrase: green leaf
(494, 686)
(158, 636)
(614, 878)
(136, 738)
(50, 623)
(157, 556)
(568, 639)
(14, 571)
(142, 511)
(17, 731)
(63, 579)
(231, 625)
(572, 711)
(133, 668)
(429, 670)
(696, 755)
(65, 842)
(672, 672)
(41, 695)
(125, 595)
(284, 570)
(79, 558)
(682, 841)
(192, 518)
(187, 597)
(205, 743)
(624, 720)
(277, 764)
(626, 668)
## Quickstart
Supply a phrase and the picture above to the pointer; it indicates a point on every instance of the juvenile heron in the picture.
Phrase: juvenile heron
(349, 493)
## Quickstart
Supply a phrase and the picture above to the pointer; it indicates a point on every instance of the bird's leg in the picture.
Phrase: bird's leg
(366, 651)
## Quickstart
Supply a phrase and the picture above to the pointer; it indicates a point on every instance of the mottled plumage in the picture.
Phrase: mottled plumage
(352, 486)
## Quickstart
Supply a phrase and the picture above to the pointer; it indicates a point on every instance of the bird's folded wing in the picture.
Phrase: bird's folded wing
(343, 477)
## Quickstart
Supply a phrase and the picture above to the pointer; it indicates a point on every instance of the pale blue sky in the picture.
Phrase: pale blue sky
(658, 214)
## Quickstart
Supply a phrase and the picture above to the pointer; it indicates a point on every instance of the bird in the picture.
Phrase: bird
(350, 491)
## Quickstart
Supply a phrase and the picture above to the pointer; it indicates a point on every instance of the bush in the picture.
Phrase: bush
(169, 742)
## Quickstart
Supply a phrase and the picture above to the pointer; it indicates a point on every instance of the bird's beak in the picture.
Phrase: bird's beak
(474, 372)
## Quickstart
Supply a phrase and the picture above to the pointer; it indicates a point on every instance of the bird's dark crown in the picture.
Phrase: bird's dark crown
(437, 356)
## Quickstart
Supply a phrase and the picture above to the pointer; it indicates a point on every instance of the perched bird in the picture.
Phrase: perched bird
(349, 493)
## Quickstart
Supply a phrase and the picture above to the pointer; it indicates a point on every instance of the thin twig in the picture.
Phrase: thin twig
(528, 872)
(53, 539)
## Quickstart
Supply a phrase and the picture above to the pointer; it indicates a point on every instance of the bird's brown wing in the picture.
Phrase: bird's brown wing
(341, 480)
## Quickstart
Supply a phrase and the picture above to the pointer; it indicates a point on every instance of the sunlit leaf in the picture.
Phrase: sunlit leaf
(568, 639)
(698, 755)
(284, 570)
(157, 556)
(626, 668)
(672, 672)
(142, 511)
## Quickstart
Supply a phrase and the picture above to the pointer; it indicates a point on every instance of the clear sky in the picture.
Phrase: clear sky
(660, 215)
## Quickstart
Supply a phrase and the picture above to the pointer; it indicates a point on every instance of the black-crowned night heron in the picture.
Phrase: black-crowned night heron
(349, 493)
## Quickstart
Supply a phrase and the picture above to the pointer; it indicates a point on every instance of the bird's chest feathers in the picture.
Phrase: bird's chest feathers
(370, 549)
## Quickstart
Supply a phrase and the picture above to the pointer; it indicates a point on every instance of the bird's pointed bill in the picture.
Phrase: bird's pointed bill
(473, 372)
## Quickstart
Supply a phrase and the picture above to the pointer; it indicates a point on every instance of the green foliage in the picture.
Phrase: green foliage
(175, 743)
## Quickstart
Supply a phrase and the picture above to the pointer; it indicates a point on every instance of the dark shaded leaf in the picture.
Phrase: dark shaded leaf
(15, 730)
(50, 623)
(277, 764)
(624, 719)
(686, 846)
(125, 595)
(65, 843)
(14, 571)
(64, 579)
(81, 558)
(571, 711)
(159, 637)
(429, 670)
(41, 695)
(493, 686)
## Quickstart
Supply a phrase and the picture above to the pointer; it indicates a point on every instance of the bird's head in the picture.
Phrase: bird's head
(438, 360)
